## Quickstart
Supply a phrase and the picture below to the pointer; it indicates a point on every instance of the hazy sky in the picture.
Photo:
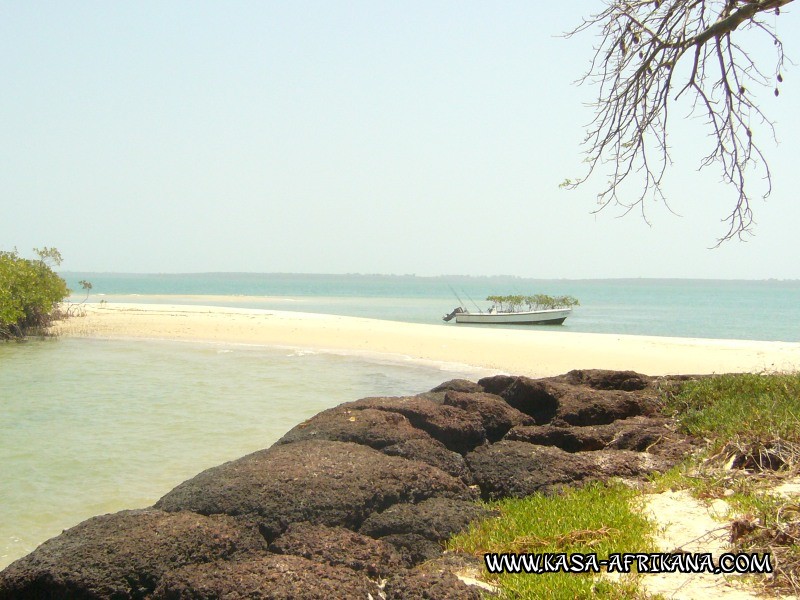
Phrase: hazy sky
(345, 136)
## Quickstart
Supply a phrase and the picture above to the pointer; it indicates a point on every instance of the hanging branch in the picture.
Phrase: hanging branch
(642, 41)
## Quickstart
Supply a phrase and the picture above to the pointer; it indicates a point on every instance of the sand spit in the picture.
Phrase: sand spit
(532, 352)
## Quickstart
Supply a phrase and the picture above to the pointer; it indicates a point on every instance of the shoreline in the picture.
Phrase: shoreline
(530, 352)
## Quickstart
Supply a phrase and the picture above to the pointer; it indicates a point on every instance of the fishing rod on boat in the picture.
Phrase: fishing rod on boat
(460, 301)
(475, 303)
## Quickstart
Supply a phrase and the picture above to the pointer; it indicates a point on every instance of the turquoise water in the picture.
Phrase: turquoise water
(95, 426)
(758, 310)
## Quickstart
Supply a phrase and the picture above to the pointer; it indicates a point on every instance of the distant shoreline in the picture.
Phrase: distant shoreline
(445, 277)
(531, 352)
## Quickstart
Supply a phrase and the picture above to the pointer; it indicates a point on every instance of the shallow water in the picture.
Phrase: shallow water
(95, 426)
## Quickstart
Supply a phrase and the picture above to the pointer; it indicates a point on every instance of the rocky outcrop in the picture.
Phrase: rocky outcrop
(339, 546)
(459, 430)
(518, 469)
(436, 519)
(329, 483)
(125, 555)
(358, 501)
(268, 577)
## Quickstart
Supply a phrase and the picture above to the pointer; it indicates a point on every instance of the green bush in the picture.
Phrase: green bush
(513, 303)
(30, 292)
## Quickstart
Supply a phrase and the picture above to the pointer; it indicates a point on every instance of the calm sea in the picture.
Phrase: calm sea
(94, 426)
(757, 310)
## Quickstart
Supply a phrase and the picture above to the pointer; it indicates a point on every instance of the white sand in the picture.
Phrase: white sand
(689, 525)
(533, 352)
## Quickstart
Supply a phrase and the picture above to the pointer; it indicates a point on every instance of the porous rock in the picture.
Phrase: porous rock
(579, 405)
(457, 429)
(601, 379)
(496, 415)
(518, 469)
(124, 555)
(369, 427)
(458, 385)
(530, 396)
(270, 577)
(435, 519)
(635, 433)
(420, 585)
(414, 548)
(434, 453)
(323, 482)
(568, 438)
(338, 546)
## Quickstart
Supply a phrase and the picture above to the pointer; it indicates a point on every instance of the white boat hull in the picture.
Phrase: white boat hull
(554, 316)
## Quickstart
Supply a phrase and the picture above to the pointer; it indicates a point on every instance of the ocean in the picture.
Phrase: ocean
(95, 426)
(727, 309)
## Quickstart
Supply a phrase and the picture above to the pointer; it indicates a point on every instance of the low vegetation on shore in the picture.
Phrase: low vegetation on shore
(751, 427)
(30, 292)
(515, 303)
(597, 519)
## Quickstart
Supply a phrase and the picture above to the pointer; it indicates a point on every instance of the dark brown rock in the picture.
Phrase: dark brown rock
(569, 438)
(457, 429)
(586, 406)
(414, 548)
(271, 577)
(124, 555)
(434, 453)
(580, 398)
(338, 546)
(642, 434)
(599, 379)
(623, 463)
(458, 385)
(518, 469)
(530, 396)
(635, 433)
(436, 519)
(496, 415)
(374, 428)
(327, 483)
(419, 585)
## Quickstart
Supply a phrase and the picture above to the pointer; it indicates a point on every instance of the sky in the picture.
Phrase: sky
(347, 137)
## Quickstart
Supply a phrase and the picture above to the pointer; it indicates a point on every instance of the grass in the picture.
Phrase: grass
(597, 518)
(756, 416)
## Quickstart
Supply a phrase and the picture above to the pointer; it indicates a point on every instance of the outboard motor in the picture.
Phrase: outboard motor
(456, 311)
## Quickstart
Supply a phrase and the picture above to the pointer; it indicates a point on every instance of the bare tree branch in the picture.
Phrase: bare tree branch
(634, 67)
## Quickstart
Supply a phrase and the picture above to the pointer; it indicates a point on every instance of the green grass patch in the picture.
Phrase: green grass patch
(747, 407)
(597, 518)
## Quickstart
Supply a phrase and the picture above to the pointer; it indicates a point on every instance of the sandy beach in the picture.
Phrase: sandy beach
(534, 352)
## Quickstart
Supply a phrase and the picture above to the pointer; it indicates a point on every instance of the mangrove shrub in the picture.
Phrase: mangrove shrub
(30, 292)
(513, 303)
